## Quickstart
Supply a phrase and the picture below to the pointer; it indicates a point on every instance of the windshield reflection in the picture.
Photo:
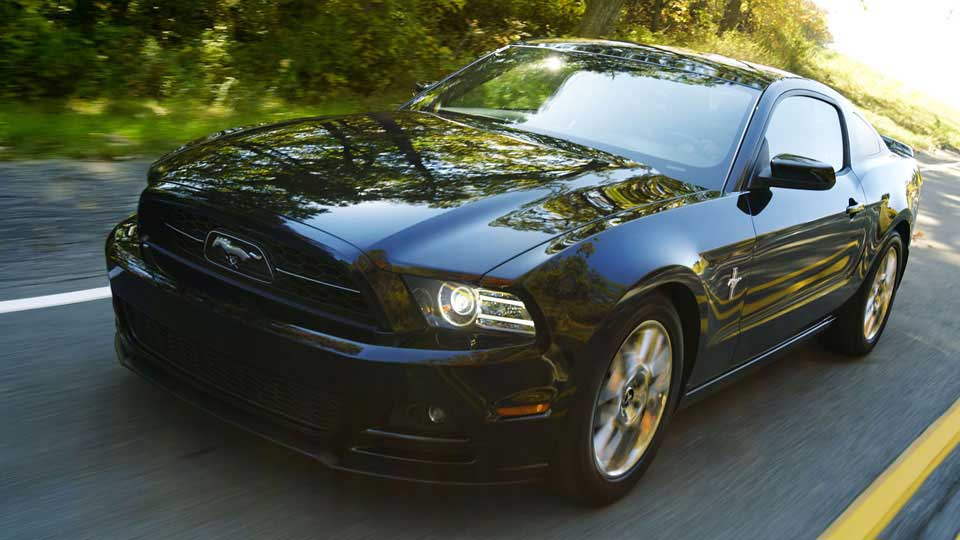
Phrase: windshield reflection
(683, 122)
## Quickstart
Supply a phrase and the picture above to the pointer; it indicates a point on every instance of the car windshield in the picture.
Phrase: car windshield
(685, 124)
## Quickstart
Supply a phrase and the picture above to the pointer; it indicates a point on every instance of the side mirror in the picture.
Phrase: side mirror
(796, 172)
(420, 86)
(897, 147)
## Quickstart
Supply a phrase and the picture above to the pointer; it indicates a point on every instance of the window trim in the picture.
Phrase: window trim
(751, 167)
(844, 136)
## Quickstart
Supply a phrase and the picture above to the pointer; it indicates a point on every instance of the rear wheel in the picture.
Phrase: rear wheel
(620, 419)
(861, 321)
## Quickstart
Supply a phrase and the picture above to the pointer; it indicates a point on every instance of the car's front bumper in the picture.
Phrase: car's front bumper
(354, 406)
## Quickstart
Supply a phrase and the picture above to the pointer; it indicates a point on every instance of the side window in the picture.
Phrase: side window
(863, 139)
(807, 127)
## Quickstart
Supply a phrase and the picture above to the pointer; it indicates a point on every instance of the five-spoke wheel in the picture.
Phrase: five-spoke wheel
(632, 399)
(880, 294)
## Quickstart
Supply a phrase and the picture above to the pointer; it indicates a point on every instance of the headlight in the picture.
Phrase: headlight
(447, 304)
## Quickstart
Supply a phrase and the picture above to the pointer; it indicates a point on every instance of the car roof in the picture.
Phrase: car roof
(712, 65)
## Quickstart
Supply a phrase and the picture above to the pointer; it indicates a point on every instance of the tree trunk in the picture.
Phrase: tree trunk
(696, 10)
(84, 16)
(655, 16)
(731, 16)
(600, 18)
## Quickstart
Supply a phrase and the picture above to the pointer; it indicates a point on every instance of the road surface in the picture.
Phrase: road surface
(88, 450)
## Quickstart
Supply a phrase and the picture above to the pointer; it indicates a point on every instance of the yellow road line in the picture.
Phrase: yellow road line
(878, 505)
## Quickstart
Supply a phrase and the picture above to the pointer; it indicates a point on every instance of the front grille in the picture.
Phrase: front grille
(304, 273)
(294, 401)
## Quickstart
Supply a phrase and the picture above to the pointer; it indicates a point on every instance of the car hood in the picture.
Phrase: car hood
(417, 191)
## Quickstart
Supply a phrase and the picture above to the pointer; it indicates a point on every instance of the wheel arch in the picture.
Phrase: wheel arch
(903, 229)
(897, 224)
(686, 303)
(686, 292)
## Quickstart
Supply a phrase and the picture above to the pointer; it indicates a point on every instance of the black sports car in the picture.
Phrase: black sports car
(522, 272)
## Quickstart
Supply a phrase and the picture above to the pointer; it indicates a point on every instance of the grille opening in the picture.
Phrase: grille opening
(312, 410)
(304, 273)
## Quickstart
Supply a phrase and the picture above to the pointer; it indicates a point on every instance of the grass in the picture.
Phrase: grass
(895, 110)
(103, 129)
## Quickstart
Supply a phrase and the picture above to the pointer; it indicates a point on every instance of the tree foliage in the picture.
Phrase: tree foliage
(304, 50)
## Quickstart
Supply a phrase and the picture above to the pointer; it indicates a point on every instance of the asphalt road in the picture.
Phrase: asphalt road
(88, 450)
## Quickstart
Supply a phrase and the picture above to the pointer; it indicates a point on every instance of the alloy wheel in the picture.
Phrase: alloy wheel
(632, 399)
(879, 296)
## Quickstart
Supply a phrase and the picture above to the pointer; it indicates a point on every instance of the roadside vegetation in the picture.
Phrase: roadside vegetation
(122, 78)
(111, 128)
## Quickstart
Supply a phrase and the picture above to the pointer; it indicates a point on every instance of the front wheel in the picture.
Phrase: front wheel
(861, 321)
(632, 388)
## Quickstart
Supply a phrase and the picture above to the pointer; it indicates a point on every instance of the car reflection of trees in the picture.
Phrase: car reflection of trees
(576, 289)
(770, 285)
(654, 57)
(325, 163)
(568, 278)
(527, 85)
(566, 209)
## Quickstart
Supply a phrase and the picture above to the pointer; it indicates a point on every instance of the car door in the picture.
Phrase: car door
(808, 242)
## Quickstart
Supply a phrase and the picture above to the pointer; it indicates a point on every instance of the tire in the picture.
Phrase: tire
(851, 334)
(576, 470)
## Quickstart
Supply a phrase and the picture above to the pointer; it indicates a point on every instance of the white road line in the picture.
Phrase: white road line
(51, 300)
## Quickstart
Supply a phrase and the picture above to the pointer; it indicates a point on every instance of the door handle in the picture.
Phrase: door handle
(854, 208)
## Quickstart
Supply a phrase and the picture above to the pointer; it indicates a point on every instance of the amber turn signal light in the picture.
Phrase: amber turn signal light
(523, 410)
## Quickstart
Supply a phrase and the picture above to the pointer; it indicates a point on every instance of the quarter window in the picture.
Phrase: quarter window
(806, 127)
(863, 139)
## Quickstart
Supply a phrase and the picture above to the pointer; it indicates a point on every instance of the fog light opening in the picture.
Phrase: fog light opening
(523, 410)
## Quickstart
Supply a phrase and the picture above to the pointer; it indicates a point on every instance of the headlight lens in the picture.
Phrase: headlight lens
(458, 304)
(455, 305)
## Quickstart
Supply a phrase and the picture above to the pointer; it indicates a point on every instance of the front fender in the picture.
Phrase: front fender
(580, 280)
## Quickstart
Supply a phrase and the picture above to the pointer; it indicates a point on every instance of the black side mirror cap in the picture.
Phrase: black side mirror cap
(795, 172)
